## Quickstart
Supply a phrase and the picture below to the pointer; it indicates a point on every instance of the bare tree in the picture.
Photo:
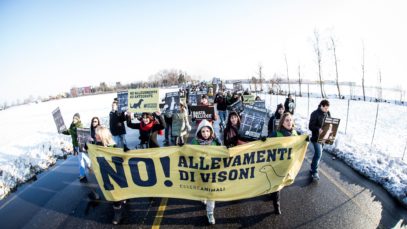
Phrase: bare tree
(317, 50)
(363, 71)
(288, 78)
(333, 47)
(261, 77)
(299, 79)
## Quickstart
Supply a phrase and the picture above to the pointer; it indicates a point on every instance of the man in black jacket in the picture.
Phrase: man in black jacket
(221, 106)
(289, 104)
(315, 125)
(117, 128)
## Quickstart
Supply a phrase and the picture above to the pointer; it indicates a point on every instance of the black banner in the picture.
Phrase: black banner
(122, 98)
(236, 106)
(171, 102)
(83, 137)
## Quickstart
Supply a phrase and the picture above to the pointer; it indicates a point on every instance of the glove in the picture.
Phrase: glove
(307, 138)
(189, 128)
(263, 138)
(125, 148)
(181, 143)
(86, 147)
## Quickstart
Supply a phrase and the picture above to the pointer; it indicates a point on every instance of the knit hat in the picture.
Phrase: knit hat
(77, 115)
(280, 106)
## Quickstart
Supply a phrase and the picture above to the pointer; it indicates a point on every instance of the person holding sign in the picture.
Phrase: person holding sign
(117, 128)
(150, 125)
(276, 116)
(205, 135)
(76, 123)
(315, 125)
(289, 104)
(231, 135)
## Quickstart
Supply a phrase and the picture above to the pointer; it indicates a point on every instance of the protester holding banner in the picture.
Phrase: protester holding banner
(315, 125)
(205, 135)
(95, 122)
(276, 116)
(285, 129)
(289, 104)
(104, 138)
(76, 123)
(221, 106)
(149, 126)
(180, 125)
(231, 135)
(117, 128)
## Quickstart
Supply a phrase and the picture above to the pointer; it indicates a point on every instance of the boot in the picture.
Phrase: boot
(277, 209)
(117, 217)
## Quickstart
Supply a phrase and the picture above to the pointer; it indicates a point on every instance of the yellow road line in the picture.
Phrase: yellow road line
(160, 213)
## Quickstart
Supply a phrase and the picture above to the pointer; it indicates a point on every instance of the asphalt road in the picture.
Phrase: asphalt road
(341, 199)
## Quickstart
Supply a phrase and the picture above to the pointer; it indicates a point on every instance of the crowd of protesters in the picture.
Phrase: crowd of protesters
(176, 127)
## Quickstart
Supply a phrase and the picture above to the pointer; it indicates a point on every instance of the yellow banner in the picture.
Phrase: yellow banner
(199, 172)
(143, 100)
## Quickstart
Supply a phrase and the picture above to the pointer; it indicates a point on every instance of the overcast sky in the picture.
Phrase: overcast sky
(50, 46)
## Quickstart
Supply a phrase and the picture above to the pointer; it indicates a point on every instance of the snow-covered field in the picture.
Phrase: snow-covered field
(30, 143)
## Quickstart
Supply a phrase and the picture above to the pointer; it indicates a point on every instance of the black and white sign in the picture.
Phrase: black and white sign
(236, 106)
(171, 102)
(329, 129)
(252, 122)
(193, 98)
(203, 112)
(59, 121)
(260, 103)
(83, 137)
(122, 97)
(237, 86)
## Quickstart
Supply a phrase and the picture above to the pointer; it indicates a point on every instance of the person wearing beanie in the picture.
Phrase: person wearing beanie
(276, 116)
(82, 158)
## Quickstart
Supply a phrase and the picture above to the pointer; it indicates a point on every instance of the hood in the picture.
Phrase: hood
(204, 123)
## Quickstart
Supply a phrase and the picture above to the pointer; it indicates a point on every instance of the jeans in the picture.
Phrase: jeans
(168, 129)
(210, 206)
(317, 157)
(222, 116)
(120, 140)
(84, 162)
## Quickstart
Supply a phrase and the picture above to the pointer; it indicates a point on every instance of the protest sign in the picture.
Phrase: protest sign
(122, 98)
(248, 99)
(260, 104)
(172, 100)
(59, 121)
(83, 137)
(237, 86)
(329, 129)
(198, 172)
(252, 122)
(143, 100)
(202, 112)
(236, 106)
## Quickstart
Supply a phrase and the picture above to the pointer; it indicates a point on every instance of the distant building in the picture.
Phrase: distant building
(80, 91)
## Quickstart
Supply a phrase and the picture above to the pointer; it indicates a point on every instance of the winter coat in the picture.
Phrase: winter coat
(72, 131)
(286, 106)
(149, 137)
(180, 124)
(116, 122)
(316, 121)
(212, 141)
(220, 100)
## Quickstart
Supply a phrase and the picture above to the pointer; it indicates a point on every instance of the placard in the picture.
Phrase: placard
(83, 137)
(248, 99)
(59, 121)
(122, 98)
(260, 103)
(143, 100)
(252, 122)
(172, 100)
(203, 112)
(236, 106)
(329, 129)
(237, 86)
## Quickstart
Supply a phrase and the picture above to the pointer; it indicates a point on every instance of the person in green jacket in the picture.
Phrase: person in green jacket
(205, 135)
(285, 129)
(82, 158)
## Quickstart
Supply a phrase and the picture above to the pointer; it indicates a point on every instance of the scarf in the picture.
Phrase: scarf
(149, 126)
(205, 142)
